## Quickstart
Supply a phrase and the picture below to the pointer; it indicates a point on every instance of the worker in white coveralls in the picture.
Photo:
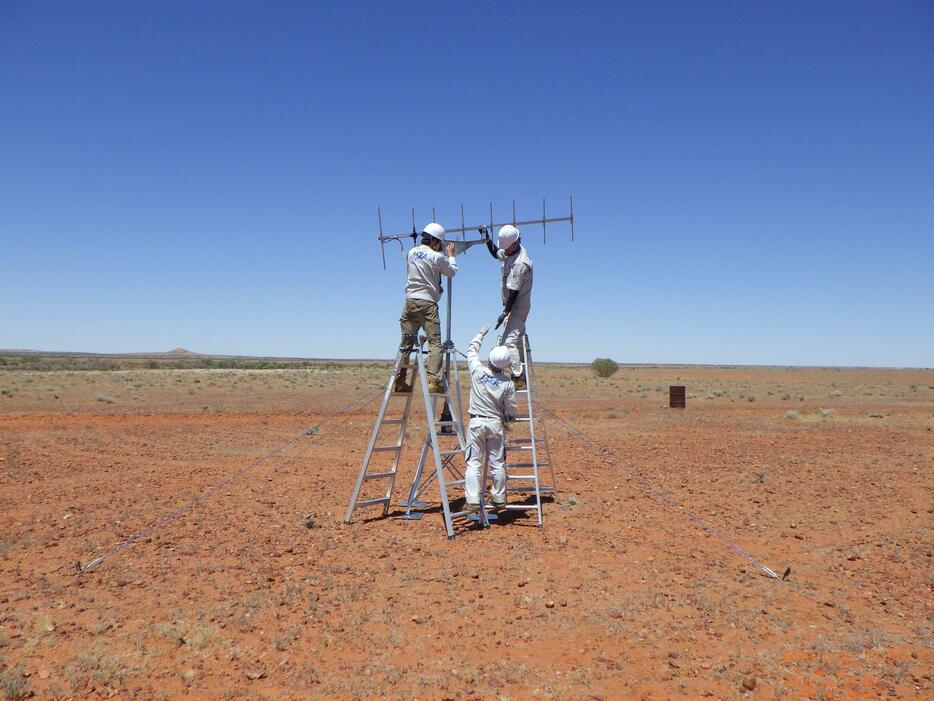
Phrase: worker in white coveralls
(516, 294)
(492, 402)
(425, 264)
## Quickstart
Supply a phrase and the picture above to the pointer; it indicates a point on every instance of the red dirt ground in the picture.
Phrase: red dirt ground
(619, 597)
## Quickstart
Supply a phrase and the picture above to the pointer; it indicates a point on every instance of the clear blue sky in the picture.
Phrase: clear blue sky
(753, 182)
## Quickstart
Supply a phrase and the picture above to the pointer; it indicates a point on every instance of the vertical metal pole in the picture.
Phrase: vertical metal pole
(572, 217)
(544, 230)
(433, 216)
(382, 244)
(513, 212)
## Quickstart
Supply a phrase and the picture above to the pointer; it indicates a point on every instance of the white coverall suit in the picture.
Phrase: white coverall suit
(517, 276)
(492, 398)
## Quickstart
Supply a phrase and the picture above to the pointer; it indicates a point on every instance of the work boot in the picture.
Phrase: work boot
(472, 508)
(401, 385)
(519, 381)
(435, 386)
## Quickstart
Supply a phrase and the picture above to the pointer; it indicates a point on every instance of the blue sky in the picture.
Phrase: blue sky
(753, 182)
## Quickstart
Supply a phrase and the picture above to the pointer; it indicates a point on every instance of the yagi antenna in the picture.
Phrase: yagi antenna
(483, 229)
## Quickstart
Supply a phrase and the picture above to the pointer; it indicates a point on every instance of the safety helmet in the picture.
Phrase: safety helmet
(500, 357)
(508, 235)
(434, 230)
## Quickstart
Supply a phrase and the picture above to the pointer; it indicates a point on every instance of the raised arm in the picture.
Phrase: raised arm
(490, 246)
(447, 264)
(473, 350)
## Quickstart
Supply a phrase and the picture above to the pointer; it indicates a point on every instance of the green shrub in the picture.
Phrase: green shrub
(604, 367)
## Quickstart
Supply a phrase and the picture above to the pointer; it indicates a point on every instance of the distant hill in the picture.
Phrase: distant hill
(180, 353)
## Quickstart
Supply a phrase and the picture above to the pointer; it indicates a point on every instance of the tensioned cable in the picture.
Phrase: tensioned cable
(657, 494)
(350, 407)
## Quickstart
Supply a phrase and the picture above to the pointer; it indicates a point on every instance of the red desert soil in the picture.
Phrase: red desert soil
(261, 592)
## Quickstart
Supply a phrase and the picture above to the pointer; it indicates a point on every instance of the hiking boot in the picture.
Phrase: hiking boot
(435, 387)
(472, 508)
(401, 385)
(498, 504)
(519, 381)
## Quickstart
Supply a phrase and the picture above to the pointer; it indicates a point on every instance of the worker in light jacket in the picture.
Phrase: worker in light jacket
(425, 264)
(516, 291)
(492, 402)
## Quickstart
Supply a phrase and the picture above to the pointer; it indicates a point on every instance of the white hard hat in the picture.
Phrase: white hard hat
(434, 230)
(501, 357)
(508, 235)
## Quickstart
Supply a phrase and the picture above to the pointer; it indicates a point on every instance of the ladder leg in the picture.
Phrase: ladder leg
(361, 476)
(433, 437)
(527, 362)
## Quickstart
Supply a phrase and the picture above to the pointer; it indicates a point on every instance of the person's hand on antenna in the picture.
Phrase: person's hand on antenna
(450, 249)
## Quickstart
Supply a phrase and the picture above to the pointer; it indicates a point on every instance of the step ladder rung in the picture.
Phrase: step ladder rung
(386, 448)
(525, 489)
(445, 453)
(521, 477)
(520, 507)
(391, 422)
(372, 502)
(379, 475)
(454, 483)
(526, 464)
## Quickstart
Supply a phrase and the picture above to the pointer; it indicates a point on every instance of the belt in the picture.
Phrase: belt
(481, 416)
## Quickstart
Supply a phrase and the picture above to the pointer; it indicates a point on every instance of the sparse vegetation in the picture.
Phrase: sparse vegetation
(15, 684)
(604, 367)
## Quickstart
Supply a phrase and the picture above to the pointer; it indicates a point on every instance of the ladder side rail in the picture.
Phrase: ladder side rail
(433, 437)
(377, 425)
(549, 459)
(528, 395)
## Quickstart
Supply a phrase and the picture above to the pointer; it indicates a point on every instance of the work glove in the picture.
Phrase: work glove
(500, 320)
(484, 330)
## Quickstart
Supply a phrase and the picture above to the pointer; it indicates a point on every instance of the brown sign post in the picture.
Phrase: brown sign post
(677, 398)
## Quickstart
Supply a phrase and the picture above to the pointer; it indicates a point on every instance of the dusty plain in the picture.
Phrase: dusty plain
(259, 591)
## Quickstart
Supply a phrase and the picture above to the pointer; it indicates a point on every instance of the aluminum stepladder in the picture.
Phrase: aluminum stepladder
(531, 448)
(394, 449)
(443, 458)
